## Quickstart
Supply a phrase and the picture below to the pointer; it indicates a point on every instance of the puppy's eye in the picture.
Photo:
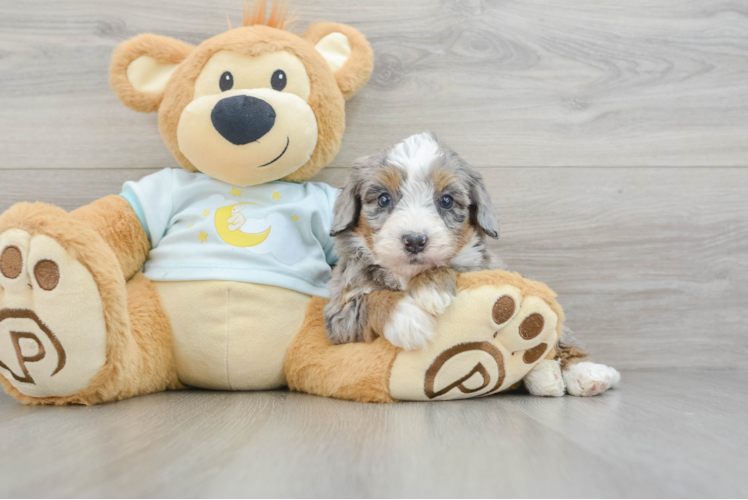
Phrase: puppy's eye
(226, 82)
(279, 80)
(385, 200)
(446, 202)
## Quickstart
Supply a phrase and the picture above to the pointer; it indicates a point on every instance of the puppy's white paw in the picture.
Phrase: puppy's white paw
(432, 299)
(409, 327)
(590, 379)
(546, 380)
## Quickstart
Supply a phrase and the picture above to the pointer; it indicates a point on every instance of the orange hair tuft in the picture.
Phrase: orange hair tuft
(257, 14)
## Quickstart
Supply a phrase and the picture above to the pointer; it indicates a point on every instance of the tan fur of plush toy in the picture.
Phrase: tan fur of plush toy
(133, 351)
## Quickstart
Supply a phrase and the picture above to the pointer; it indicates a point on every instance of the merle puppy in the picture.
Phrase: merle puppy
(407, 221)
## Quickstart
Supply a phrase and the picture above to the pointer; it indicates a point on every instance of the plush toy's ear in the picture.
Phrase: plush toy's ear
(347, 52)
(141, 68)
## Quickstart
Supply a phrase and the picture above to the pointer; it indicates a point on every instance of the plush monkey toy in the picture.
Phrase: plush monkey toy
(214, 275)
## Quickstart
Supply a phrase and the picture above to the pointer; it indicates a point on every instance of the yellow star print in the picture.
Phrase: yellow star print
(295, 218)
(236, 192)
(206, 213)
(276, 195)
(203, 237)
(190, 226)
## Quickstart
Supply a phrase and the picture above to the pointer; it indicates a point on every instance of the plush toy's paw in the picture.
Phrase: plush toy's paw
(409, 327)
(487, 340)
(546, 379)
(52, 325)
(590, 379)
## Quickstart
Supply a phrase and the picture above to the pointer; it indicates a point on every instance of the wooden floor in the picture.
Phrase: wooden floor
(613, 137)
(662, 434)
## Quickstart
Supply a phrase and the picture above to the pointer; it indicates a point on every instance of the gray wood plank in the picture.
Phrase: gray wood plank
(533, 83)
(662, 434)
(651, 265)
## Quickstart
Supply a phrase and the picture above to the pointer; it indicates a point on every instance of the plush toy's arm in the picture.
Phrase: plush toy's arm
(116, 222)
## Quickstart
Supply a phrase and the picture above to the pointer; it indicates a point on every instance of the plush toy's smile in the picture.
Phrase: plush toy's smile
(288, 142)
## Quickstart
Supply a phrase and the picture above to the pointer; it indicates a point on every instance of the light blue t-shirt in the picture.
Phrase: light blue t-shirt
(204, 229)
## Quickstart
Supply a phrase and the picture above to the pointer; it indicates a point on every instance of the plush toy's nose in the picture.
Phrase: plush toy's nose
(242, 119)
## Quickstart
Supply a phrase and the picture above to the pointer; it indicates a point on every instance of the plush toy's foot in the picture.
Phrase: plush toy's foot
(64, 322)
(498, 328)
(52, 327)
(590, 379)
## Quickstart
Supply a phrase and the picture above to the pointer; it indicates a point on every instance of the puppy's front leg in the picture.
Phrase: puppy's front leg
(434, 290)
(399, 319)
(410, 324)
(393, 315)
(345, 318)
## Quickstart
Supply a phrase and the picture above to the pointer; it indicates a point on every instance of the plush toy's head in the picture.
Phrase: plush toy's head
(252, 105)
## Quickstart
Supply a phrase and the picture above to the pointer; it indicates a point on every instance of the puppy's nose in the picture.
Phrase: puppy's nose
(242, 119)
(415, 243)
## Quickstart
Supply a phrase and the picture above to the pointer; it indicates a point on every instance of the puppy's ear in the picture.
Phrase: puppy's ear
(141, 68)
(481, 209)
(347, 52)
(347, 207)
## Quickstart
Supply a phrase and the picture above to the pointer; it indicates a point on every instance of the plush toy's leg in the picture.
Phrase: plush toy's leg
(358, 372)
(71, 330)
(498, 328)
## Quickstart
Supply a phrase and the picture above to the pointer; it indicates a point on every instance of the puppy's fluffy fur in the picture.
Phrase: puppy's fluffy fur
(408, 219)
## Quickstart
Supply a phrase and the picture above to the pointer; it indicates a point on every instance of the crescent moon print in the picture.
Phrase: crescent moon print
(229, 221)
(263, 234)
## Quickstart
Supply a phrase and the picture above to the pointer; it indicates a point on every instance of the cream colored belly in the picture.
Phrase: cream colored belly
(232, 336)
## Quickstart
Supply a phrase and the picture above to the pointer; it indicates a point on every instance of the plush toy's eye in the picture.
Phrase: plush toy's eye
(227, 81)
(279, 80)
(446, 202)
(385, 200)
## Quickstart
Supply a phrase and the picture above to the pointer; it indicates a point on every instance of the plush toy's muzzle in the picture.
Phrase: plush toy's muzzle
(248, 137)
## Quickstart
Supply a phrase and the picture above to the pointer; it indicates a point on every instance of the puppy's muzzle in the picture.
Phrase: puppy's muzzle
(415, 243)
(242, 119)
